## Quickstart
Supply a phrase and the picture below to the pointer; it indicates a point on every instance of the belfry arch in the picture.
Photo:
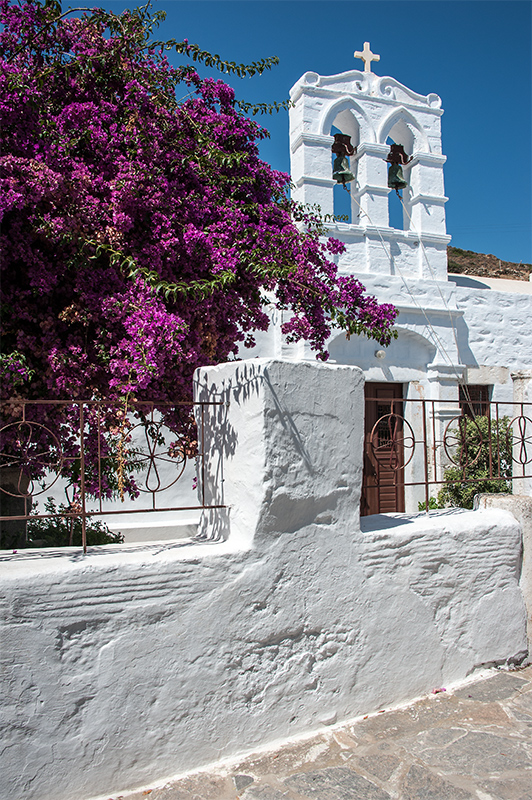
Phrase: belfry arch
(400, 127)
(345, 121)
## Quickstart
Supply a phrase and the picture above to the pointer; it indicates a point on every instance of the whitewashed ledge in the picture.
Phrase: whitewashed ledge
(18, 563)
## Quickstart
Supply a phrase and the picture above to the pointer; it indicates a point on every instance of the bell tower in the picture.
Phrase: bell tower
(374, 111)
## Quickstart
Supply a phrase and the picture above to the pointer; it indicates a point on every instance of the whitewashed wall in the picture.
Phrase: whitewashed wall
(135, 663)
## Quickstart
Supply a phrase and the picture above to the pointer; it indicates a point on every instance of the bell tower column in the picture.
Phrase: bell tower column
(371, 189)
(427, 198)
(311, 171)
(425, 203)
(310, 150)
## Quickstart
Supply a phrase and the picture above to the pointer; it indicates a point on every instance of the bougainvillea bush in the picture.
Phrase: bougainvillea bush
(141, 231)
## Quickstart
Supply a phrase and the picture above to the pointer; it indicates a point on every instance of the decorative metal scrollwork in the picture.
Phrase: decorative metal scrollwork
(38, 452)
(393, 436)
(457, 442)
(156, 454)
(518, 441)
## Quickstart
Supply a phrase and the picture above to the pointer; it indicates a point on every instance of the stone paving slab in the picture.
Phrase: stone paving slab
(474, 743)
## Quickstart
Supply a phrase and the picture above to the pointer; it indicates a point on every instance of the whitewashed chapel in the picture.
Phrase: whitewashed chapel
(462, 342)
(460, 338)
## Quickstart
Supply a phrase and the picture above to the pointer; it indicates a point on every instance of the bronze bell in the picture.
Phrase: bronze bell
(343, 148)
(396, 158)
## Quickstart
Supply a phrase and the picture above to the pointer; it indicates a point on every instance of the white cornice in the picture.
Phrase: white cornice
(428, 198)
(349, 230)
(427, 159)
(305, 137)
(314, 181)
(365, 86)
(372, 149)
(315, 91)
(437, 311)
(369, 189)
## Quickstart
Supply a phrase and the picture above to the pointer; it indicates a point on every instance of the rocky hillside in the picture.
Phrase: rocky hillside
(487, 266)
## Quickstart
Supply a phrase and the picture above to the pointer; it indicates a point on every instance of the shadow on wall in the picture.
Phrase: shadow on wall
(465, 354)
(218, 438)
(470, 283)
(287, 421)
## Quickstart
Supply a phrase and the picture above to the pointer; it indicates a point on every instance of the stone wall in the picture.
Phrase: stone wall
(138, 662)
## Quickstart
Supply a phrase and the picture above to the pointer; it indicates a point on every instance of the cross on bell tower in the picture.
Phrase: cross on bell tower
(367, 56)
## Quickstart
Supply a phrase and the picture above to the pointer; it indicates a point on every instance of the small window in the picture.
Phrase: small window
(474, 400)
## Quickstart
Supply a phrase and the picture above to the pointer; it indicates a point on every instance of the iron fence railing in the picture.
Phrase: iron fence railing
(415, 443)
(100, 451)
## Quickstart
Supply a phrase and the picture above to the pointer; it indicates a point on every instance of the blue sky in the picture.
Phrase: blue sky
(476, 54)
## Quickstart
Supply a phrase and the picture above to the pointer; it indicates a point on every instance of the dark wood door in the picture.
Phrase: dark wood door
(383, 488)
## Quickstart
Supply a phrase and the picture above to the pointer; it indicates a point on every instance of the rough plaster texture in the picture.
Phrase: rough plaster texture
(521, 507)
(471, 742)
(133, 663)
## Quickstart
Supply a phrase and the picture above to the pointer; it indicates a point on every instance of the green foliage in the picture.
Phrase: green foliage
(472, 474)
(433, 505)
(263, 108)
(61, 531)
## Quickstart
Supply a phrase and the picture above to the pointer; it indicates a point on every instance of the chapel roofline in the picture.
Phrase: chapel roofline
(356, 83)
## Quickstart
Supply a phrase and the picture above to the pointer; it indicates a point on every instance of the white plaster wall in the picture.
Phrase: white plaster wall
(521, 508)
(482, 330)
(499, 329)
(135, 663)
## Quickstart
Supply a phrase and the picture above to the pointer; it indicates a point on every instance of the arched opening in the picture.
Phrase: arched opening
(402, 131)
(396, 216)
(341, 192)
(345, 122)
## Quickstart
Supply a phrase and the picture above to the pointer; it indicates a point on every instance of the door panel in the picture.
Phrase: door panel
(383, 482)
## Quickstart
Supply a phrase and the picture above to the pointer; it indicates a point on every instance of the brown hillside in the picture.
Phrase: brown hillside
(487, 266)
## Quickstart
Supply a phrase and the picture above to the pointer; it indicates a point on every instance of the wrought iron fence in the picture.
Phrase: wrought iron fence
(414, 445)
(101, 451)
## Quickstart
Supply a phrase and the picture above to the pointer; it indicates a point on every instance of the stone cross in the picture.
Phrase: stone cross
(367, 57)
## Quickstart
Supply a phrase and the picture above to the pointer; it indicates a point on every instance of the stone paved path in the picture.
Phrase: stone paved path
(473, 743)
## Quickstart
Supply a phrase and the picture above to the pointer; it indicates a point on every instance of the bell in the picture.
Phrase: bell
(396, 179)
(343, 148)
(341, 171)
(396, 158)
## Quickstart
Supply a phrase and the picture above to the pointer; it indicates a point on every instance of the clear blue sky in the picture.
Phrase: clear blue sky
(476, 54)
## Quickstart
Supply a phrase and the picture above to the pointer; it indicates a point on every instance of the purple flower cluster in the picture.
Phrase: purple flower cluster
(138, 231)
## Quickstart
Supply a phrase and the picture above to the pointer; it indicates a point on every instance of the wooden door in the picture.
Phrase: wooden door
(383, 488)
